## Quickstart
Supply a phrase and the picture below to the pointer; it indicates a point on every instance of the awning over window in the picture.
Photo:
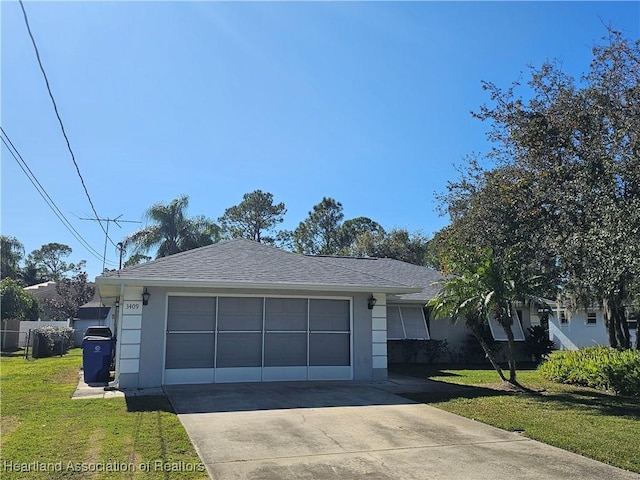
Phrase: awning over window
(500, 335)
(406, 322)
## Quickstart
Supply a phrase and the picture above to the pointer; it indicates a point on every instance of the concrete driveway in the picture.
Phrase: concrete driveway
(346, 431)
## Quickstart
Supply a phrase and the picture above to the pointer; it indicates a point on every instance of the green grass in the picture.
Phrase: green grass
(73, 438)
(582, 420)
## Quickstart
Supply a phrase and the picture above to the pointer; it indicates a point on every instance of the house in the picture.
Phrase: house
(241, 311)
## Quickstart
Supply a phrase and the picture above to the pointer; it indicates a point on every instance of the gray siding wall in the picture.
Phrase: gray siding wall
(152, 338)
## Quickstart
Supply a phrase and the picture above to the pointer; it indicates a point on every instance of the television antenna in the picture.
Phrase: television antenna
(117, 220)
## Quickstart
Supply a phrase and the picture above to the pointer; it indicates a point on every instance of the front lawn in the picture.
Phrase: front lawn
(45, 434)
(582, 420)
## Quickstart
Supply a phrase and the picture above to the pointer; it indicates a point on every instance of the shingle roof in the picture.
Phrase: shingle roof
(242, 262)
(424, 277)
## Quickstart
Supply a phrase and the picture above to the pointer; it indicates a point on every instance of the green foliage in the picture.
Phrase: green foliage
(436, 350)
(50, 341)
(398, 243)
(485, 285)
(49, 261)
(319, 234)
(538, 343)
(11, 253)
(253, 217)
(171, 231)
(136, 259)
(563, 194)
(597, 367)
(17, 303)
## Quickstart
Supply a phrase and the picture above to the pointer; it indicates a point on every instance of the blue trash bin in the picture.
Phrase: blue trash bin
(97, 353)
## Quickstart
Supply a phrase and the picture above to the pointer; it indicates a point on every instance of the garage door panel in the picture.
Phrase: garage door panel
(190, 350)
(329, 349)
(284, 374)
(285, 349)
(286, 314)
(239, 350)
(238, 313)
(235, 375)
(329, 315)
(200, 316)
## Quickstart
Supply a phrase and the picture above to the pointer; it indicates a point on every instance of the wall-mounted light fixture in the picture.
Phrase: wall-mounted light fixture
(371, 302)
(117, 303)
(145, 296)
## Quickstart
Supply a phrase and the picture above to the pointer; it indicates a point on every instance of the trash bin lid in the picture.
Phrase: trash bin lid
(98, 331)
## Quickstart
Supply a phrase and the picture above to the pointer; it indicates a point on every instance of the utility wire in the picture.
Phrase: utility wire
(45, 196)
(55, 108)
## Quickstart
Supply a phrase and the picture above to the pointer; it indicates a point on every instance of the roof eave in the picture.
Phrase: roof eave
(166, 282)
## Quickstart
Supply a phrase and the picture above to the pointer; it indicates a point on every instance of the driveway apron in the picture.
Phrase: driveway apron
(349, 431)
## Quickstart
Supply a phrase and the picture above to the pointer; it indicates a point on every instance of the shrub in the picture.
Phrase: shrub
(538, 343)
(436, 350)
(597, 367)
(49, 341)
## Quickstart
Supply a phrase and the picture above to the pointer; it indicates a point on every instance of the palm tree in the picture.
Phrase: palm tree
(462, 298)
(486, 288)
(171, 231)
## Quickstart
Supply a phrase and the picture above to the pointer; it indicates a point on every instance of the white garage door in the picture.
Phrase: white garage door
(254, 339)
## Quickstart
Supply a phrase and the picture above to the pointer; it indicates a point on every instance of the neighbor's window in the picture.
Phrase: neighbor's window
(591, 318)
(632, 320)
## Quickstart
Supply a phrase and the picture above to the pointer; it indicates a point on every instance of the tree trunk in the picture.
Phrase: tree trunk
(622, 328)
(505, 317)
(512, 353)
(617, 322)
(609, 323)
(488, 352)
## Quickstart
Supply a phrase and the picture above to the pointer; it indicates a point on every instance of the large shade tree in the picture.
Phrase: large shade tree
(563, 196)
(171, 231)
(319, 233)
(254, 217)
(50, 261)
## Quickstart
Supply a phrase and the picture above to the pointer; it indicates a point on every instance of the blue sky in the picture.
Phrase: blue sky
(366, 102)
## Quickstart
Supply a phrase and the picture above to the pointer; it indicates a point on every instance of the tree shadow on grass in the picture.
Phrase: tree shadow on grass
(467, 392)
(427, 371)
(592, 401)
(576, 398)
(148, 403)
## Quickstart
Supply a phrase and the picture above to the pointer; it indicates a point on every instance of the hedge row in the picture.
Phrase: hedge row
(597, 367)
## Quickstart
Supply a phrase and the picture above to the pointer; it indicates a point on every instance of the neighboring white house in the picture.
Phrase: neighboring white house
(582, 328)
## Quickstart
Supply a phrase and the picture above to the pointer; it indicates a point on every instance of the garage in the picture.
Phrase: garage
(219, 339)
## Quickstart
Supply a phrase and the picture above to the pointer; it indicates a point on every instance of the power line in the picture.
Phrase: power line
(46, 197)
(55, 108)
